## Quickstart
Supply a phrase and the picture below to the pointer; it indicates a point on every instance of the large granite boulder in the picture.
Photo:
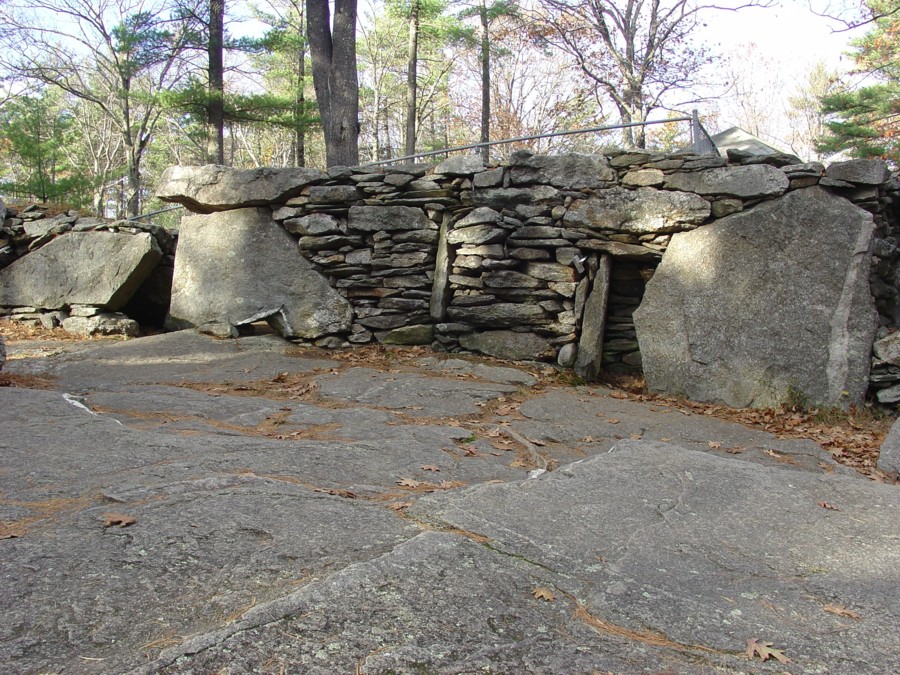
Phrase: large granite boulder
(211, 188)
(764, 305)
(239, 267)
(638, 211)
(102, 269)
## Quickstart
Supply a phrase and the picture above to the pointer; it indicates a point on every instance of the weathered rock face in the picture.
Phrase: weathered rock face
(758, 180)
(764, 302)
(506, 344)
(239, 267)
(2, 347)
(638, 211)
(102, 269)
(570, 171)
(101, 324)
(863, 171)
(207, 189)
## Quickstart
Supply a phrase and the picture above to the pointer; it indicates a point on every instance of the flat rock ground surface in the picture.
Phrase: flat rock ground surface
(179, 504)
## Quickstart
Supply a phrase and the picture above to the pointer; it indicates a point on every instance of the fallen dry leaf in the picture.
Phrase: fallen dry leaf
(409, 482)
(336, 493)
(635, 437)
(715, 445)
(665, 439)
(826, 505)
(507, 409)
(117, 520)
(613, 421)
(734, 451)
(10, 531)
(841, 611)
(588, 439)
(399, 506)
(765, 651)
(543, 594)
(430, 467)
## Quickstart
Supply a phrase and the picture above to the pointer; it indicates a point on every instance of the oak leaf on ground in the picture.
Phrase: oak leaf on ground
(543, 594)
(765, 651)
(117, 520)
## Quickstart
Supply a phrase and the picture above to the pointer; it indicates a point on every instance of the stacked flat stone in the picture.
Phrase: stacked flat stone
(374, 236)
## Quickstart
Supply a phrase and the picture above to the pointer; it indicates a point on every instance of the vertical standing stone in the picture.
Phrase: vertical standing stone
(593, 323)
(440, 288)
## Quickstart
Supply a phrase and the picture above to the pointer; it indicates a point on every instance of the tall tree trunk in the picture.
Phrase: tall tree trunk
(411, 79)
(300, 92)
(133, 199)
(333, 55)
(300, 114)
(485, 82)
(215, 109)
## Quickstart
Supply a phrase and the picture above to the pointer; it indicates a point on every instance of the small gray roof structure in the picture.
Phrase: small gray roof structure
(736, 138)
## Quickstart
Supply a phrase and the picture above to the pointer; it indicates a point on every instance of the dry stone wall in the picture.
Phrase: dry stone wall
(546, 257)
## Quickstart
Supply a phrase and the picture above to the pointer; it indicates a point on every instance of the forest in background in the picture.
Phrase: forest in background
(100, 97)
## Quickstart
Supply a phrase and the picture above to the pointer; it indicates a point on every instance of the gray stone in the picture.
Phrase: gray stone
(101, 324)
(517, 198)
(725, 207)
(440, 287)
(567, 355)
(2, 339)
(887, 348)
(333, 194)
(632, 158)
(240, 267)
(480, 216)
(86, 268)
(758, 180)
(460, 165)
(861, 171)
(315, 224)
(572, 171)
(510, 279)
(643, 178)
(387, 219)
(219, 329)
(476, 235)
(529, 254)
(764, 303)
(505, 344)
(550, 272)
(499, 315)
(491, 178)
(285, 212)
(417, 334)
(205, 189)
(889, 395)
(805, 169)
(625, 251)
(889, 455)
(593, 322)
(639, 211)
